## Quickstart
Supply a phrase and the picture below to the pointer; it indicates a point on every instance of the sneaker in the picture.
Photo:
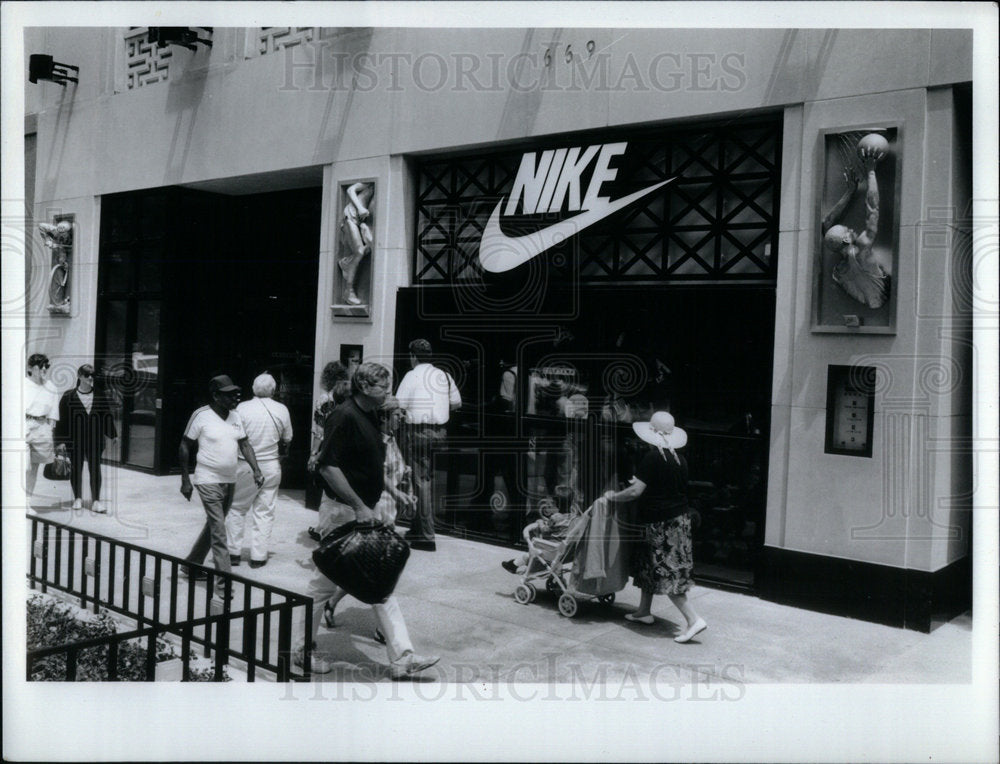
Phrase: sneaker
(77, 503)
(318, 665)
(234, 560)
(510, 566)
(411, 664)
(194, 574)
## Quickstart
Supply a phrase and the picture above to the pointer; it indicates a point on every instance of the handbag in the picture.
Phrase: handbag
(365, 560)
(58, 469)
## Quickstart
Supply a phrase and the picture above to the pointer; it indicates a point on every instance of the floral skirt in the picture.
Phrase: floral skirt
(662, 561)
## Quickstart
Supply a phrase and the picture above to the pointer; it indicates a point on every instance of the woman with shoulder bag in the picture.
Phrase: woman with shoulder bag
(663, 562)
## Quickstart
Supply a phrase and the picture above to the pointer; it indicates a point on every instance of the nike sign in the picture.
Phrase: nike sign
(499, 252)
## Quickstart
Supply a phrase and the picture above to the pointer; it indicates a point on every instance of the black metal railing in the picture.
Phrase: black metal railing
(144, 585)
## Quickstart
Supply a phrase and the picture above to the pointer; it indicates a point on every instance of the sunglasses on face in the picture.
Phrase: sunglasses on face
(86, 374)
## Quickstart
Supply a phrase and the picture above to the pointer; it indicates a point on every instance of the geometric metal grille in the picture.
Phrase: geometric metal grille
(145, 63)
(273, 39)
(718, 221)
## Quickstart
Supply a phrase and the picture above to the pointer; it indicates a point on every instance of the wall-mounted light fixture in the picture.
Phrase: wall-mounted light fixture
(183, 36)
(42, 67)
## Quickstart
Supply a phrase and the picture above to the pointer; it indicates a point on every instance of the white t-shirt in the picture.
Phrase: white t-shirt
(427, 394)
(266, 422)
(41, 399)
(87, 399)
(218, 445)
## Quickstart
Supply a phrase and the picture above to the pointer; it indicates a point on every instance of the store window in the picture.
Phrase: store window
(665, 303)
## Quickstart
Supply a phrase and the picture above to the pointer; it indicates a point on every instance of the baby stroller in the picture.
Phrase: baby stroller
(564, 567)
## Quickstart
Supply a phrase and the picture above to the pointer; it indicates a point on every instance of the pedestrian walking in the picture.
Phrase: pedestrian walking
(268, 426)
(662, 563)
(428, 395)
(218, 432)
(86, 418)
(41, 412)
(351, 464)
(335, 382)
(396, 495)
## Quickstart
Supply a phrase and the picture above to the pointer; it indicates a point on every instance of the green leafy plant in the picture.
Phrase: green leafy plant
(52, 623)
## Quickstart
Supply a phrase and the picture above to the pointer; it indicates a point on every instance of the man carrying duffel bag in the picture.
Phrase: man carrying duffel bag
(351, 465)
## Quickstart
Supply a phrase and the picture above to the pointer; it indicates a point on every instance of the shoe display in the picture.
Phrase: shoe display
(258, 563)
(693, 630)
(646, 619)
(411, 664)
(77, 503)
(510, 566)
(317, 664)
(422, 545)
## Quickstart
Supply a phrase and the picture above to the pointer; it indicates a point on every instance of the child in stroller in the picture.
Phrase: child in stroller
(556, 515)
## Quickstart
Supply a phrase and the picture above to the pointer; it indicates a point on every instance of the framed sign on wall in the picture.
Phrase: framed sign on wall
(850, 410)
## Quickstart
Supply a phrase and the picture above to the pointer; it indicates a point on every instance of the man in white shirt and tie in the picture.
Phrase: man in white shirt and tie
(428, 395)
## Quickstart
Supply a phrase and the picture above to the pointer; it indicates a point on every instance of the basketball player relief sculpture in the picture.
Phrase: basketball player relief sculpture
(858, 270)
(357, 245)
(58, 237)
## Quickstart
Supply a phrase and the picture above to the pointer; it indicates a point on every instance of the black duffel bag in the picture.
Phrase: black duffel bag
(363, 559)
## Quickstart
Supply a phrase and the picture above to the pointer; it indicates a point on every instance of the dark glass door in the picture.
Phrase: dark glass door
(133, 242)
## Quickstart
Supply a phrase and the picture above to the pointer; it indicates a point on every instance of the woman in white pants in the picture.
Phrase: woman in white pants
(269, 430)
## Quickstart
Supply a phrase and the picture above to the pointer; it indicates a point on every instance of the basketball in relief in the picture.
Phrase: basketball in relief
(873, 142)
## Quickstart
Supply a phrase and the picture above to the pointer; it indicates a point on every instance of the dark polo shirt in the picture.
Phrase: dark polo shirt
(352, 442)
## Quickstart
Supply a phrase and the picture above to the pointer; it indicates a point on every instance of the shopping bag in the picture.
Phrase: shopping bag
(58, 469)
(365, 560)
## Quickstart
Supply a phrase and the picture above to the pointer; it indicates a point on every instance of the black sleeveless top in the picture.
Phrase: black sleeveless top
(666, 494)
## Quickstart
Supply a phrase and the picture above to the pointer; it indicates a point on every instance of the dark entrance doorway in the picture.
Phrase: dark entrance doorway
(618, 354)
(194, 284)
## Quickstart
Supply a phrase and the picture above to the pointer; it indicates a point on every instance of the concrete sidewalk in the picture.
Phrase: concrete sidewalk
(458, 604)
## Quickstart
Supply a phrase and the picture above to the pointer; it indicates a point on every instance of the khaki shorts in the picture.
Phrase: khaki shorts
(38, 436)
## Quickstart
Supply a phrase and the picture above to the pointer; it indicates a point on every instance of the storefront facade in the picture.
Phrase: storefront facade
(587, 231)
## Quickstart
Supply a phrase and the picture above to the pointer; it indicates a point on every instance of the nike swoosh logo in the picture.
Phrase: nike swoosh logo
(499, 252)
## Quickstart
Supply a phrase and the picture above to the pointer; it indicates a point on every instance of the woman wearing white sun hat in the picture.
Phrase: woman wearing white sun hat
(662, 564)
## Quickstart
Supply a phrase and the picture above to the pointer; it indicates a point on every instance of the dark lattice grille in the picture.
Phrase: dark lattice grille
(718, 221)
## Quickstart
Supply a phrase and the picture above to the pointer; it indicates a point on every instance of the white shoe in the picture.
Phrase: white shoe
(317, 664)
(693, 630)
(77, 503)
(410, 664)
(98, 508)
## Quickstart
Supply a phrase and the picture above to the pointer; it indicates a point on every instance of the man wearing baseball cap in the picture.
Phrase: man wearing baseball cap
(218, 431)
